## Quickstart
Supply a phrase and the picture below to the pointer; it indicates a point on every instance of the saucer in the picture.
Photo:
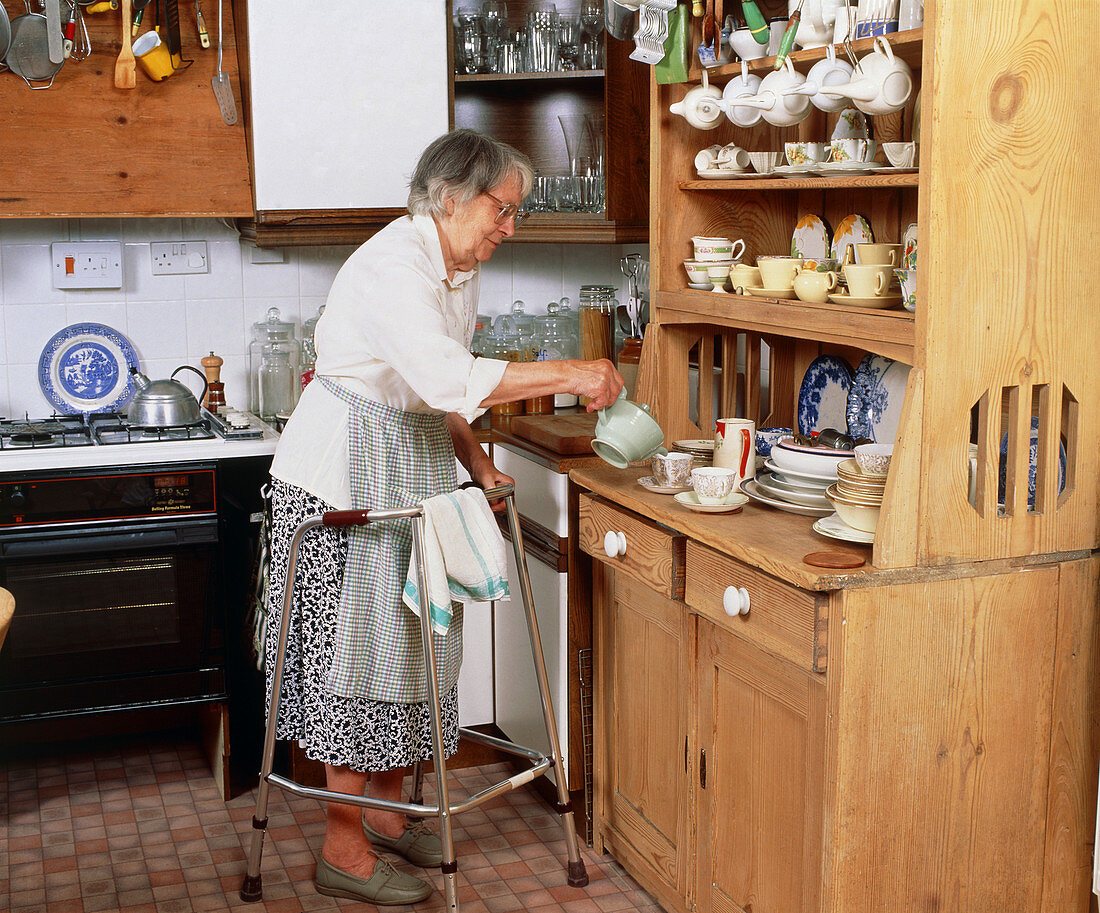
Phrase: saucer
(725, 174)
(881, 301)
(850, 167)
(647, 483)
(702, 286)
(734, 502)
(896, 169)
(835, 528)
(770, 292)
(795, 171)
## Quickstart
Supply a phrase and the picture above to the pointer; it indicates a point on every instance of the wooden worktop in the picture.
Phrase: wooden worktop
(773, 540)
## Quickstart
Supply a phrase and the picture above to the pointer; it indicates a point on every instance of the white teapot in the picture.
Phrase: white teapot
(700, 106)
(744, 86)
(881, 83)
(823, 74)
(778, 97)
(813, 31)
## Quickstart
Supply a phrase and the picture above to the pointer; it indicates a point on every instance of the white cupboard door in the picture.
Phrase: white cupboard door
(345, 96)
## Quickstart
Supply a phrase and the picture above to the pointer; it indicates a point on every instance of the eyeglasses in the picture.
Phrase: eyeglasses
(508, 211)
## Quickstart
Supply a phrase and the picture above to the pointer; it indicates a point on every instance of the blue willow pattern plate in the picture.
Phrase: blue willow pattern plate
(85, 368)
(823, 396)
(876, 397)
(1032, 466)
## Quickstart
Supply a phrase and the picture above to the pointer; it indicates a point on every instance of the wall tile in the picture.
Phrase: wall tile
(269, 279)
(34, 231)
(215, 324)
(139, 282)
(5, 402)
(224, 278)
(109, 313)
(26, 278)
(152, 230)
(496, 282)
(537, 276)
(25, 394)
(96, 229)
(27, 329)
(318, 266)
(158, 329)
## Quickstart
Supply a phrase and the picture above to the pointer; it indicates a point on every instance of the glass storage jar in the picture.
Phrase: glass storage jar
(276, 383)
(278, 334)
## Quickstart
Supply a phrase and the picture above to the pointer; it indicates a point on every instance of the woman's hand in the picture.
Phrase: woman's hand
(599, 380)
(488, 476)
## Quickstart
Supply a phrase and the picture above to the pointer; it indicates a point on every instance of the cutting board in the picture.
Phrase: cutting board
(559, 433)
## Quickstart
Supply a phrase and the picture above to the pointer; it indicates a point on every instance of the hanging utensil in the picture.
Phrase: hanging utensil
(5, 35)
(787, 42)
(200, 21)
(68, 34)
(54, 38)
(628, 266)
(125, 65)
(82, 43)
(223, 90)
(756, 22)
(28, 54)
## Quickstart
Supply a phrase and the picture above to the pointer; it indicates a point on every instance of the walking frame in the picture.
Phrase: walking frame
(540, 764)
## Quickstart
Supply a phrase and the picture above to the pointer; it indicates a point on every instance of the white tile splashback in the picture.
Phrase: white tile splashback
(174, 320)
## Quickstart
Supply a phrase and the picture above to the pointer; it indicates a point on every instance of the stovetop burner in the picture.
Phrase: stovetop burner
(117, 429)
(55, 431)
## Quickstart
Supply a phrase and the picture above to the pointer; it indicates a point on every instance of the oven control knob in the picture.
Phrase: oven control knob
(17, 497)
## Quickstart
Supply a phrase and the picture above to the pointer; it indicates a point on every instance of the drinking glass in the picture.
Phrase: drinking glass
(569, 38)
(542, 40)
(592, 17)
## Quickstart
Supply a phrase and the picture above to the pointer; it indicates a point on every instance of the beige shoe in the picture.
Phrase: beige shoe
(418, 845)
(385, 887)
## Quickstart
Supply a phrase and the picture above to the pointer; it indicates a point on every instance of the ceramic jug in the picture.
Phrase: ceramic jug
(778, 97)
(700, 106)
(626, 433)
(881, 83)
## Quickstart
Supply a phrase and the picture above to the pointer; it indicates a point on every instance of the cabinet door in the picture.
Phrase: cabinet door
(760, 731)
(344, 98)
(642, 721)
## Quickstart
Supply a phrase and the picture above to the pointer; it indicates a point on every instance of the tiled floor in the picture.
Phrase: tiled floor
(140, 828)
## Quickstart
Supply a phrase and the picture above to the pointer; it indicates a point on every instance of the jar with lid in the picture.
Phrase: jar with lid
(309, 348)
(559, 341)
(278, 334)
(597, 323)
(536, 345)
(510, 347)
(483, 328)
(276, 382)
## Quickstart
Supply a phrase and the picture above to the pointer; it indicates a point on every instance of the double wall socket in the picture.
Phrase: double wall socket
(86, 264)
(179, 258)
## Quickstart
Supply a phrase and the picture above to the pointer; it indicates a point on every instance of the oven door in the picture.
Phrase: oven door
(113, 616)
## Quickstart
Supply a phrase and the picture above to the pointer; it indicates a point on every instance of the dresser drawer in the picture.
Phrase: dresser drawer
(626, 542)
(778, 617)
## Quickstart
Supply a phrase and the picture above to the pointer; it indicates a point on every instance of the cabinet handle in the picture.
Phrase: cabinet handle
(614, 543)
(735, 601)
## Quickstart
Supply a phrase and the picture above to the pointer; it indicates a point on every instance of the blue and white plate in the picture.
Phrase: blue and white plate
(876, 397)
(823, 396)
(85, 368)
(1032, 466)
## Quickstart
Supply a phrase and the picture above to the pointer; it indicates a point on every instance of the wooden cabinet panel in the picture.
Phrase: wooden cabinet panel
(760, 722)
(642, 721)
(653, 555)
(781, 618)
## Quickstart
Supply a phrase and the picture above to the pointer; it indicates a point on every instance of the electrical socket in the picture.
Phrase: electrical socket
(179, 258)
(86, 264)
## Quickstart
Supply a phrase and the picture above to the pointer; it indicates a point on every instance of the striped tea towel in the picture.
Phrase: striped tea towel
(464, 554)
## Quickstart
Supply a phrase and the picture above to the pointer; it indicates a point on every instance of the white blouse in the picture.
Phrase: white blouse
(396, 331)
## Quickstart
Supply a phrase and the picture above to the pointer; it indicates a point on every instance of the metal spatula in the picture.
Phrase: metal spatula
(223, 89)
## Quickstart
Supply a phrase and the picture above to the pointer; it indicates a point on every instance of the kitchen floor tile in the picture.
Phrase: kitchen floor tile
(138, 826)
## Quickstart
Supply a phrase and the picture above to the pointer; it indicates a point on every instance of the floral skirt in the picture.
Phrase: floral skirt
(362, 734)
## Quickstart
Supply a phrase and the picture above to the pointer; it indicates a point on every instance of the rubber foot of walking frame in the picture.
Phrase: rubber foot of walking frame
(577, 876)
(253, 888)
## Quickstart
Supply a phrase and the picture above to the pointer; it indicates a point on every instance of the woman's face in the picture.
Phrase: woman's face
(471, 232)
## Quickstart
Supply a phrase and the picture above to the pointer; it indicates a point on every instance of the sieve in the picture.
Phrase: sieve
(29, 50)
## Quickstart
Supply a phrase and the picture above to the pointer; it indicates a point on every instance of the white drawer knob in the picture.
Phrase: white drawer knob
(614, 543)
(735, 600)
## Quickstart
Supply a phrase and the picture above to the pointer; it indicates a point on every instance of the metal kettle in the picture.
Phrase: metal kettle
(163, 403)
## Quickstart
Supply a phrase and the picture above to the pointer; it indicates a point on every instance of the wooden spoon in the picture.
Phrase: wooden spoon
(126, 66)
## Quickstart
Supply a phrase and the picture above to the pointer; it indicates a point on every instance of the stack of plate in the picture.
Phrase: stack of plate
(703, 451)
(795, 478)
(856, 496)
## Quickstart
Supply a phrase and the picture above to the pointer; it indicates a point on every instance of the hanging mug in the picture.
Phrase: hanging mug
(735, 446)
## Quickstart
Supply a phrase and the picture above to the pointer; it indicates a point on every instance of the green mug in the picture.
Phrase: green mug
(626, 433)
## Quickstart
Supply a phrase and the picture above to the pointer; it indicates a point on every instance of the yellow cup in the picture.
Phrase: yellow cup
(153, 55)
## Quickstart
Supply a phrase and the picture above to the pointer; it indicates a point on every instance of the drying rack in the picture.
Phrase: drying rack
(540, 764)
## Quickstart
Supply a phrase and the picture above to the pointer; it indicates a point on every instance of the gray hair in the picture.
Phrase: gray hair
(463, 164)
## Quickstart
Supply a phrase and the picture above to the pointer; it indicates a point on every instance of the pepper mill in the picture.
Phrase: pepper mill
(215, 389)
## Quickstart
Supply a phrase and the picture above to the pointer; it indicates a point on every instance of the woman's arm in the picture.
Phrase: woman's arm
(597, 380)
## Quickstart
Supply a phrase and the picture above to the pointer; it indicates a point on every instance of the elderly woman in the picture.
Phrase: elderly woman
(396, 388)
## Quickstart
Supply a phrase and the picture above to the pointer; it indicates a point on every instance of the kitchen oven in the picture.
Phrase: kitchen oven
(112, 541)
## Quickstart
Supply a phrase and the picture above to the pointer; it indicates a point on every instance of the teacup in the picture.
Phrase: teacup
(743, 275)
(878, 254)
(871, 281)
(778, 272)
(713, 484)
(765, 162)
(696, 271)
(672, 469)
(804, 153)
(767, 438)
(902, 155)
(732, 158)
(705, 159)
(810, 285)
(712, 249)
(626, 432)
(717, 274)
(908, 280)
(852, 150)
